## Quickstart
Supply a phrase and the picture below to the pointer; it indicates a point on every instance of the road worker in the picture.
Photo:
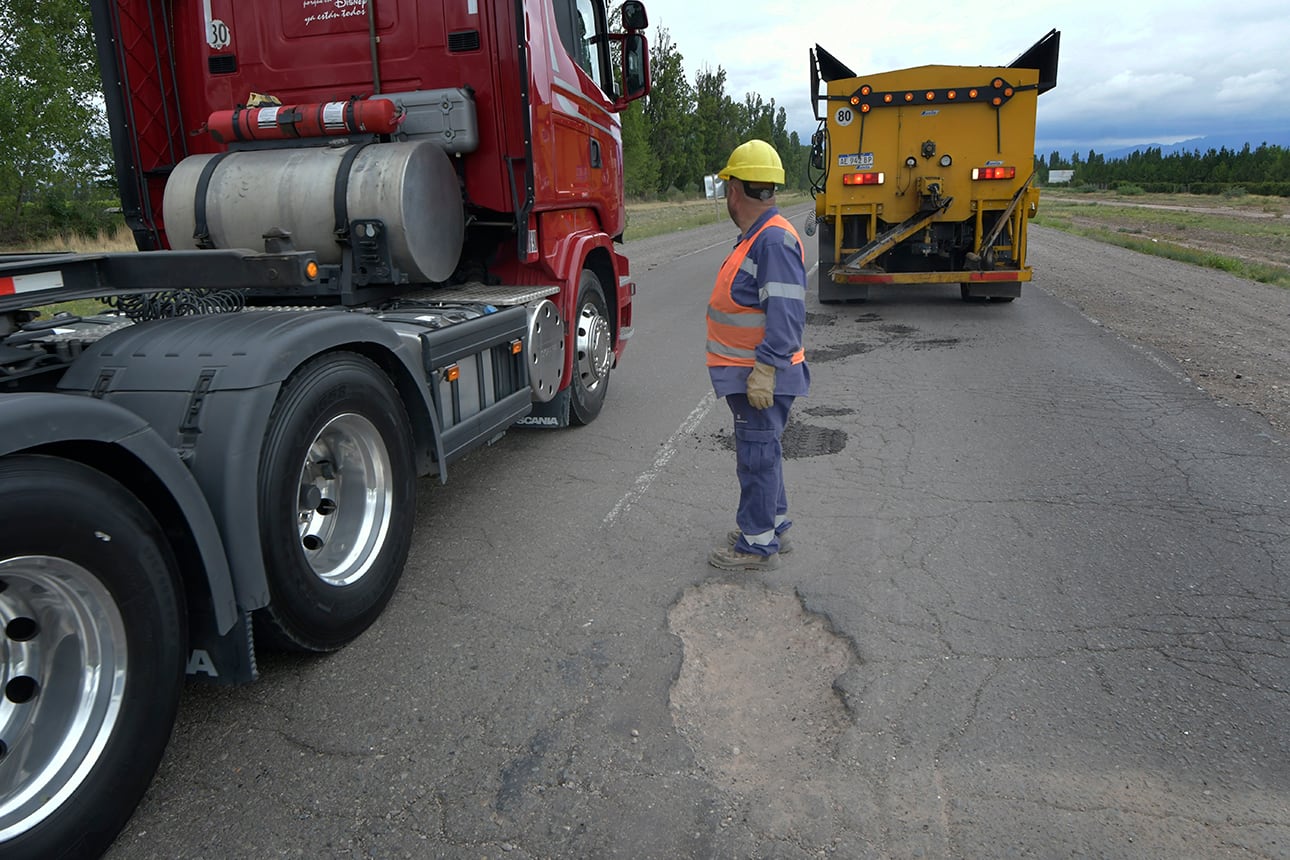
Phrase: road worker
(755, 358)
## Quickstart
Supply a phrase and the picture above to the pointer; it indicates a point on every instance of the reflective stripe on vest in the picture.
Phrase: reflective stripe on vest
(734, 330)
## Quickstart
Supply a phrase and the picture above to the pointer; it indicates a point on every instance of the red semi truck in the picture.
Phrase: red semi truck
(373, 235)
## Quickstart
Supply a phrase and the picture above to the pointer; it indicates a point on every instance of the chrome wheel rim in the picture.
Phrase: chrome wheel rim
(346, 499)
(63, 656)
(594, 348)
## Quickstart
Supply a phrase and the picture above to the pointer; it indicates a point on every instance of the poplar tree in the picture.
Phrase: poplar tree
(55, 138)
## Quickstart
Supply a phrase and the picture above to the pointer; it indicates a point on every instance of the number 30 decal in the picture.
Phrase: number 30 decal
(844, 116)
(218, 35)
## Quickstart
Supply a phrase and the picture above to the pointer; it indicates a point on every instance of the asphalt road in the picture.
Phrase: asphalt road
(1038, 606)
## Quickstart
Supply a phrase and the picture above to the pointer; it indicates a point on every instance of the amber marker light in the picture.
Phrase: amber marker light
(865, 108)
(517, 346)
(311, 270)
(952, 95)
(929, 95)
(1008, 92)
(451, 373)
(866, 90)
(855, 100)
(887, 98)
(997, 82)
(909, 97)
(972, 93)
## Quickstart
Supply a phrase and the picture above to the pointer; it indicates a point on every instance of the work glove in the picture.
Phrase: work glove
(761, 386)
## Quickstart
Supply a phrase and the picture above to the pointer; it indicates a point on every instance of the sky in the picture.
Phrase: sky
(1131, 72)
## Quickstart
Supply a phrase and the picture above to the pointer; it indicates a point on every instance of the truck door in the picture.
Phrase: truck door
(585, 130)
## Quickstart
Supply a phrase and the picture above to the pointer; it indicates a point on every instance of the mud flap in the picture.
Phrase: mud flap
(990, 290)
(553, 414)
(831, 291)
(223, 660)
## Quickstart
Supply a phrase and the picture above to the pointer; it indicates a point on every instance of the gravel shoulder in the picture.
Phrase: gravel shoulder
(1229, 335)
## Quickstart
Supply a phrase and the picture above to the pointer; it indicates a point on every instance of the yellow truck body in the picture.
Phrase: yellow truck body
(926, 175)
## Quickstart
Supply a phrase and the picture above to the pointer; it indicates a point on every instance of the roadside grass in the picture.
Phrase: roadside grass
(1153, 228)
(1275, 275)
(108, 242)
(654, 218)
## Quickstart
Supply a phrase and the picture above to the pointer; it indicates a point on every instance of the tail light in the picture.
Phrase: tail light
(863, 179)
(994, 173)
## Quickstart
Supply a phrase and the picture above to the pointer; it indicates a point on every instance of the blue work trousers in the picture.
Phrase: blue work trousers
(759, 461)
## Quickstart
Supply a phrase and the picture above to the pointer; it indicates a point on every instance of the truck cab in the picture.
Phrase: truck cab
(372, 236)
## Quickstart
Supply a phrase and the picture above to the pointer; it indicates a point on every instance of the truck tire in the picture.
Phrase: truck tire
(92, 656)
(593, 350)
(829, 292)
(337, 499)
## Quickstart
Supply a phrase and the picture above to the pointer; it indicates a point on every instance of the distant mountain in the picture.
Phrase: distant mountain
(1233, 140)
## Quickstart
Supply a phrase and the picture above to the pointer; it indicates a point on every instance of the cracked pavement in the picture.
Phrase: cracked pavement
(1038, 606)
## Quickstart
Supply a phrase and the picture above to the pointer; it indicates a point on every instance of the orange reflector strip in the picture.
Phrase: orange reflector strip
(994, 172)
(863, 179)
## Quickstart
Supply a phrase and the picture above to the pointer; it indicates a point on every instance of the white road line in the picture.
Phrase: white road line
(723, 242)
(665, 456)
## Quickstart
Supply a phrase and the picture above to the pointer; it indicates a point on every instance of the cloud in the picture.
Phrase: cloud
(1141, 72)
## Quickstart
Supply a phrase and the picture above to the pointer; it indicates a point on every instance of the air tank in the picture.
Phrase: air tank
(410, 186)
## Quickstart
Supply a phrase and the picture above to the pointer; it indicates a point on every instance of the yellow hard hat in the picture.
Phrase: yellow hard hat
(754, 161)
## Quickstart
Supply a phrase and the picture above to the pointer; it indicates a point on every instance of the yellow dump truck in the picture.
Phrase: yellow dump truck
(926, 175)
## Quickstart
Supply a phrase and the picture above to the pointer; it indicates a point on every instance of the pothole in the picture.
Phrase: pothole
(755, 699)
(827, 411)
(837, 351)
(799, 440)
(936, 343)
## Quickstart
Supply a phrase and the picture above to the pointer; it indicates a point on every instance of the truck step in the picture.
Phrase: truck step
(475, 292)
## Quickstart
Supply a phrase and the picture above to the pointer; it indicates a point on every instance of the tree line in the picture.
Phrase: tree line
(54, 173)
(683, 131)
(55, 177)
(1264, 169)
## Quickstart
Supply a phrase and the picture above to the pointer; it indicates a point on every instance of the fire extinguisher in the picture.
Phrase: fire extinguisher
(283, 122)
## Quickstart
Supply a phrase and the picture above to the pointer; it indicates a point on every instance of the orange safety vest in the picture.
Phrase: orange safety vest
(735, 330)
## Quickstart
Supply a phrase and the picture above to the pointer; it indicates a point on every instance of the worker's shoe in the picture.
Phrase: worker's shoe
(785, 545)
(729, 558)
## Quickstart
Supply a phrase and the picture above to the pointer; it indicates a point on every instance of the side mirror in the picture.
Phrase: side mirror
(818, 144)
(633, 54)
(634, 17)
(635, 66)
